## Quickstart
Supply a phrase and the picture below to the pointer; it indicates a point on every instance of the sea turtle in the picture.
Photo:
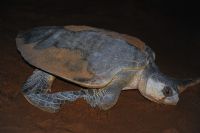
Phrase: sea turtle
(101, 61)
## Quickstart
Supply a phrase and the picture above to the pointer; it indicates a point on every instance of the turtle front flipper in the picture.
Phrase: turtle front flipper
(107, 97)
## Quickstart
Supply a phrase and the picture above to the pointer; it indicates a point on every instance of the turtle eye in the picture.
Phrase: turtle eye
(167, 91)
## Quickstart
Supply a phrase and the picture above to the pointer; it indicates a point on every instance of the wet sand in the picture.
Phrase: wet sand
(176, 44)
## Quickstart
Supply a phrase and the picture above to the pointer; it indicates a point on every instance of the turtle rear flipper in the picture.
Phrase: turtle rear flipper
(52, 102)
(36, 88)
(44, 102)
(35, 91)
(38, 82)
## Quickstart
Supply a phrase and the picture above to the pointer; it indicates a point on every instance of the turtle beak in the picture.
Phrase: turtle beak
(184, 84)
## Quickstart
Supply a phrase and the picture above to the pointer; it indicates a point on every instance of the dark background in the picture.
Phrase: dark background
(170, 28)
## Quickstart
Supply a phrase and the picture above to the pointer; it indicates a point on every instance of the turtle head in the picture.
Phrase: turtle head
(160, 88)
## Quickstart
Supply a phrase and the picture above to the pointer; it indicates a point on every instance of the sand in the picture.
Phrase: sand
(175, 42)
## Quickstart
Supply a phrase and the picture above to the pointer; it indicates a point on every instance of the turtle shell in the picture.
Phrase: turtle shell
(88, 56)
